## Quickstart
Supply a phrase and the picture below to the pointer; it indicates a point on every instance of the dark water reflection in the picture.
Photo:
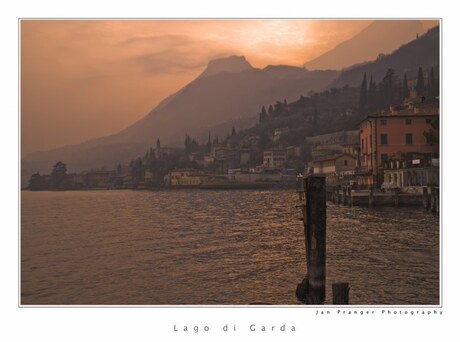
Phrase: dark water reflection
(215, 247)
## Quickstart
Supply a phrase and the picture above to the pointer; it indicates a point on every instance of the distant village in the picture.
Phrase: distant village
(394, 148)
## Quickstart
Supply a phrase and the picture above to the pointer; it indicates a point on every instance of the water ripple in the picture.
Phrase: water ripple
(215, 247)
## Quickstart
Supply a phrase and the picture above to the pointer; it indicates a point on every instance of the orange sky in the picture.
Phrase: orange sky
(82, 79)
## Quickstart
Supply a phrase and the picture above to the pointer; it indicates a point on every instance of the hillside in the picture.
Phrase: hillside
(422, 52)
(381, 36)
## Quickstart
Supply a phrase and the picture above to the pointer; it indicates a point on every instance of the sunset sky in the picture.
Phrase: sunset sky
(85, 79)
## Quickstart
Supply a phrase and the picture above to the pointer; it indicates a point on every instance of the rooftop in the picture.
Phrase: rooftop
(333, 157)
(409, 110)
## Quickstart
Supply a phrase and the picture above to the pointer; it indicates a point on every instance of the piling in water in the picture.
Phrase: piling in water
(425, 200)
(312, 289)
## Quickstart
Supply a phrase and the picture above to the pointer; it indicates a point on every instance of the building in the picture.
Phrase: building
(351, 148)
(323, 151)
(333, 144)
(397, 133)
(413, 170)
(185, 178)
(336, 138)
(100, 178)
(227, 158)
(76, 179)
(275, 158)
(148, 177)
(335, 168)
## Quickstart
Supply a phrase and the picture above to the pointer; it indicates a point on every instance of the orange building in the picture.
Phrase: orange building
(399, 132)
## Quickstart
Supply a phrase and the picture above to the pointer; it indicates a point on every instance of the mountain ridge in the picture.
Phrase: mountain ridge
(421, 52)
(381, 36)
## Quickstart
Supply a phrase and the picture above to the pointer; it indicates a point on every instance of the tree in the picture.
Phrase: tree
(263, 115)
(270, 110)
(59, 175)
(388, 90)
(137, 170)
(280, 108)
(372, 96)
(315, 117)
(264, 141)
(59, 170)
(405, 88)
(363, 96)
(36, 182)
(209, 145)
(432, 136)
(187, 142)
(432, 87)
(191, 145)
(420, 87)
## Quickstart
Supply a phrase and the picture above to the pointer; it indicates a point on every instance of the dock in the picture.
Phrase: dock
(429, 197)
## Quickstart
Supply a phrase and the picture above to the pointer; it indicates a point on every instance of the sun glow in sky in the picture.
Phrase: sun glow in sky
(82, 79)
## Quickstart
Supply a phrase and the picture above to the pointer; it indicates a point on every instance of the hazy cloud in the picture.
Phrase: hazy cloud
(168, 61)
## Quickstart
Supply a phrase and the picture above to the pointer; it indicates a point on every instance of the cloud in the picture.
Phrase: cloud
(170, 40)
(173, 53)
(167, 61)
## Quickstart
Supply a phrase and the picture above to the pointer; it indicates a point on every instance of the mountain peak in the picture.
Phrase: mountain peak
(232, 64)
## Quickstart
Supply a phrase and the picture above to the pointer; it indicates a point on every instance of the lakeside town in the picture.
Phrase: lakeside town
(208, 189)
(396, 148)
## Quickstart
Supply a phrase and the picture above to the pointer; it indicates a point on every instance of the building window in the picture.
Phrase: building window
(383, 122)
(408, 121)
(408, 138)
(345, 162)
(383, 139)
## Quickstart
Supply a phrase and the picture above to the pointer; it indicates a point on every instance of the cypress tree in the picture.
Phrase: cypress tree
(209, 145)
(372, 95)
(420, 87)
(270, 110)
(405, 88)
(263, 115)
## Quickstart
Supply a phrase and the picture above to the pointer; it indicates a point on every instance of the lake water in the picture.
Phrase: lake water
(216, 248)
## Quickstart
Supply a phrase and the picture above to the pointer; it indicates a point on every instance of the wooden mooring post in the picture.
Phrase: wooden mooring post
(434, 199)
(350, 198)
(425, 201)
(313, 288)
(396, 197)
